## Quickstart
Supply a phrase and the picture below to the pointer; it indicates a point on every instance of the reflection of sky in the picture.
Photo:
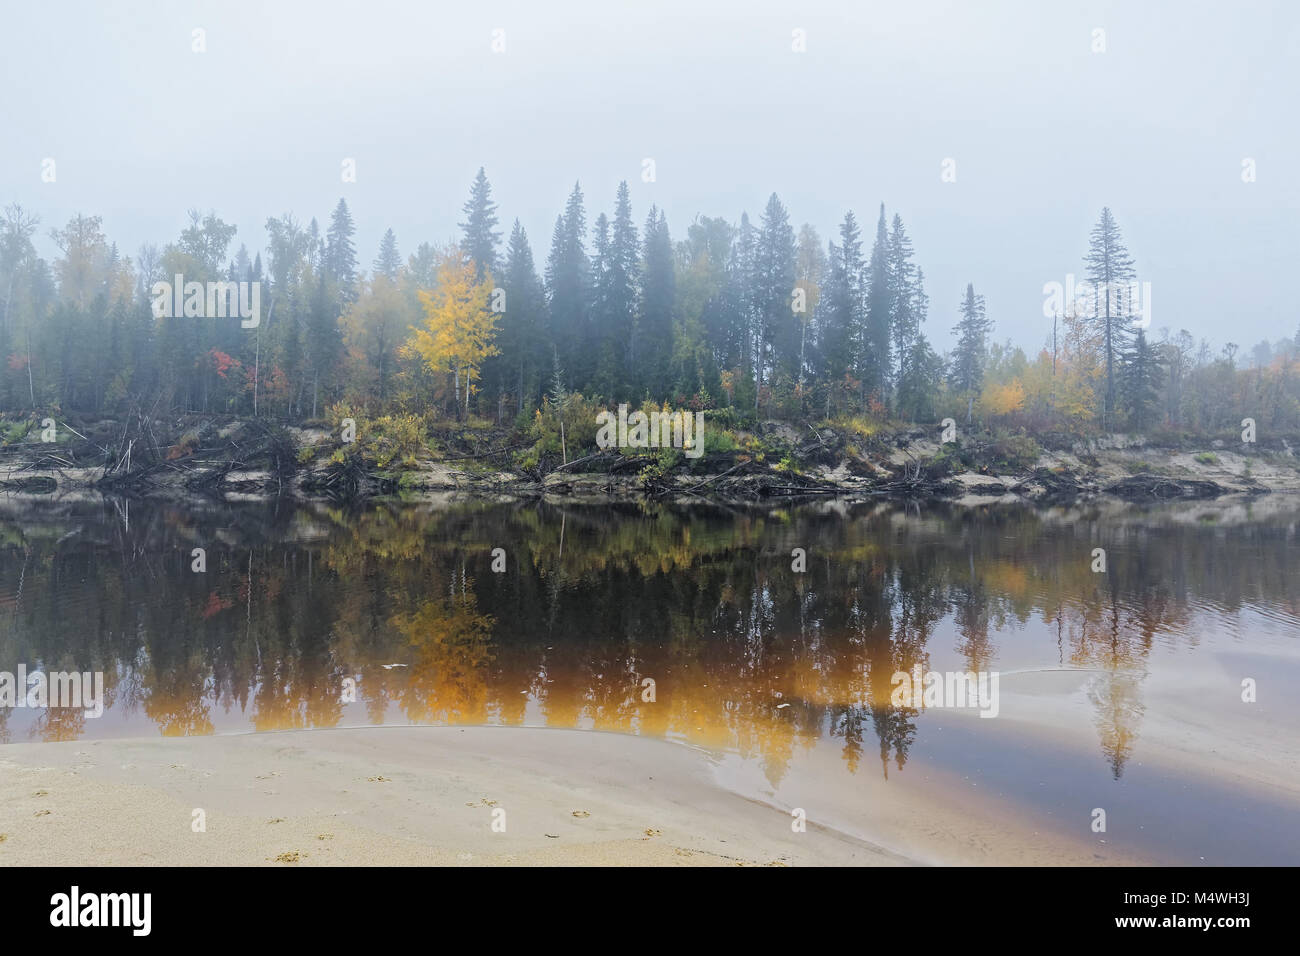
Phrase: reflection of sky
(1109, 696)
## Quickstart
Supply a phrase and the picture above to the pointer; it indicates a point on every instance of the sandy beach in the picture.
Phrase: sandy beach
(423, 795)
(392, 796)
(427, 795)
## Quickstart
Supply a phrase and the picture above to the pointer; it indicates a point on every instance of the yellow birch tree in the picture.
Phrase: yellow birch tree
(458, 327)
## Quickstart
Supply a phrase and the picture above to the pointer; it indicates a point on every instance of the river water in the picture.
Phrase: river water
(1162, 690)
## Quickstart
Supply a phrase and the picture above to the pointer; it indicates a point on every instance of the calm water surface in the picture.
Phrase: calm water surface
(780, 673)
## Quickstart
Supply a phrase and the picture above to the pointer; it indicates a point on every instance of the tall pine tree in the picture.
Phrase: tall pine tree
(1139, 376)
(774, 276)
(340, 258)
(568, 288)
(966, 376)
(480, 238)
(1109, 269)
(389, 261)
(658, 295)
(874, 360)
(842, 309)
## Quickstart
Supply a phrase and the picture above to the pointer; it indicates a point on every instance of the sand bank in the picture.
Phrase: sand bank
(393, 796)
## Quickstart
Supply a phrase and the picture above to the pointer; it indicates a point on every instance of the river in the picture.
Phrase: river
(1160, 690)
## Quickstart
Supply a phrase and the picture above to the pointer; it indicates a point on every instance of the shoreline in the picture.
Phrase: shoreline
(395, 795)
(261, 460)
(424, 795)
(403, 794)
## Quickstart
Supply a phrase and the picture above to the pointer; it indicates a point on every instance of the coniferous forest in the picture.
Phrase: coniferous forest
(760, 316)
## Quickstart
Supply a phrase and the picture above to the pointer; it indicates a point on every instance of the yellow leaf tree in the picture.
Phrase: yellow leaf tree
(458, 328)
(1000, 400)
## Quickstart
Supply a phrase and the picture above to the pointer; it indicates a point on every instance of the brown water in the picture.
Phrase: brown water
(1119, 689)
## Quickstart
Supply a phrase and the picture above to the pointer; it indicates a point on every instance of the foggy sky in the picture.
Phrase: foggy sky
(1044, 131)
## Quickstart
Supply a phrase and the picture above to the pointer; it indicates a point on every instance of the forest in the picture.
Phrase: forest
(758, 317)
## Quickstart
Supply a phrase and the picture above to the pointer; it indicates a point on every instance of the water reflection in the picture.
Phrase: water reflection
(745, 653)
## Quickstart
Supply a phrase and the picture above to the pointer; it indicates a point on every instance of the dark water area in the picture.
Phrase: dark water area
(310, 617)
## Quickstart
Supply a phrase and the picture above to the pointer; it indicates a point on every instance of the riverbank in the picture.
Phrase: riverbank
(392, 796)
(490, 796)
(430, 796)
(198, 457)
(1121, 691)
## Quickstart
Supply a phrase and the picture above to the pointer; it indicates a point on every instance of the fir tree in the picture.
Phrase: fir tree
(340, 252)
(1139, 374)
(389, 261)
(522, 326)
(966, 377)
(742, 299)
(774, 276)
(621, 289)
(902, 280)
(874, 359)
(842, 306)
(1109, 268)
(920, 369)
(655, 323)
(568, 285)
(480, 238)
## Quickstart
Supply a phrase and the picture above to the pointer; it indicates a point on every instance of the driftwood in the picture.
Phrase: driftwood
(1055, 484)
(1157, 486)
(138, 464)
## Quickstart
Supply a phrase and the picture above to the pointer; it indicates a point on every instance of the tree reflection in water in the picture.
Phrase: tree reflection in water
(594, 599)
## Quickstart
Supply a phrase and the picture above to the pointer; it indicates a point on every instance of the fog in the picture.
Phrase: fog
(1043, 130)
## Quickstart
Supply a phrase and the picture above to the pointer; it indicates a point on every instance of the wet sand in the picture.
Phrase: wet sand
(1011, 791)
(393, 796)
(426, 795)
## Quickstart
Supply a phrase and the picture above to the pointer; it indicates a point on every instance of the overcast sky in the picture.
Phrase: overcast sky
(1043, 130)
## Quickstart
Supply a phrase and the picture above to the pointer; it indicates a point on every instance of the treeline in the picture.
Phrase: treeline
(758, 316)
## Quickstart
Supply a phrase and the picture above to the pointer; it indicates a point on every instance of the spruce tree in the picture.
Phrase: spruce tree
(622, 287)
(654, 329)
(810, 277)
(920, 369)
(480, 238)
(874, 359)
(774, 276)
(966, 377)
(1139, 374)
(1109, 268)
(842, 307)
(389, 261)
(522, 325)
(422, 267)
(742, 299)
(902, 280)
(608, 352)
(341, 253)
(315, 245)
(568, 286)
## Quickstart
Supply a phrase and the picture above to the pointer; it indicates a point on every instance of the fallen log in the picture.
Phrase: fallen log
(1164, 488)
